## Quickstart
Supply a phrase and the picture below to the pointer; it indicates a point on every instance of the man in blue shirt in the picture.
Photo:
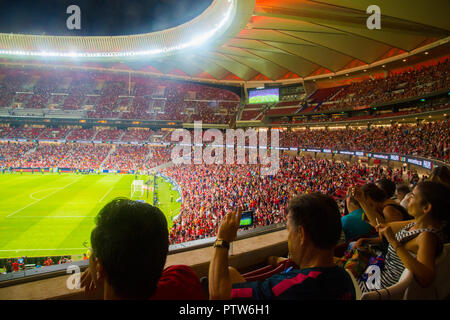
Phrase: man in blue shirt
(353, 223)
(314, 228)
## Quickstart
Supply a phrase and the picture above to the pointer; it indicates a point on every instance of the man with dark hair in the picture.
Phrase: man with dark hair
(314, 228)
(125, 231)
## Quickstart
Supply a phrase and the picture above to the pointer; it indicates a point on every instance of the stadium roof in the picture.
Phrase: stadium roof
(260, 41)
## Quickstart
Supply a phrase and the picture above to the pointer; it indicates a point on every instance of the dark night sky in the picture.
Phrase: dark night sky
(98, 17)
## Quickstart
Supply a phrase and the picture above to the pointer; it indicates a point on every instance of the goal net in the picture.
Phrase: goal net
(137, 187)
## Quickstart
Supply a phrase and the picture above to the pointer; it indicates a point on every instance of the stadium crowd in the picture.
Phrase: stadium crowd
(395, 86)
(209, 191)
(113, 96)
(50, 155)
(128, 158)
(426, 139)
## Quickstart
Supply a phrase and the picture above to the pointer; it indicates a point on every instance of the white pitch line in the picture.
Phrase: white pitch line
(41, 199)
(49, 217)
(106, 194)
(39, 191)
(43, 249)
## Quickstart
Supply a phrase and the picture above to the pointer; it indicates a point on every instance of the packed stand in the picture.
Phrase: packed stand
(395, 86)
(106, 96)
(52, 155)
(127, 157)
(209, 191)
(428, 140)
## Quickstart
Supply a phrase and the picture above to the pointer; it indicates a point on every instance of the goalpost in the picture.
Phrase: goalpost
(137, 186)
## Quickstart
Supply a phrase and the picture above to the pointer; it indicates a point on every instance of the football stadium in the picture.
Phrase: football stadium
(229, 149)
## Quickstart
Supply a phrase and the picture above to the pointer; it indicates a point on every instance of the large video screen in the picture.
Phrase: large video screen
(264, 96)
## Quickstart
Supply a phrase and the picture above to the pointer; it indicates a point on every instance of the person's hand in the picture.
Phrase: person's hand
(87, 282)
(357, 194)
(90, 288)
(407, 199)
(386, 232)
(274, 260)
(359, 243)
(229, 226)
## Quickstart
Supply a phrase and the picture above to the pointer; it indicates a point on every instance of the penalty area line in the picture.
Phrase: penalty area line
(17, 211)
(39, 191)
(106, 194)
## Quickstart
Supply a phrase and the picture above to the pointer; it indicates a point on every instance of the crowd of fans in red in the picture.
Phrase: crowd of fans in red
(128, 158)
(396, 86)
(430, 140)
(46, 155)
(210, 191)
(114, 96)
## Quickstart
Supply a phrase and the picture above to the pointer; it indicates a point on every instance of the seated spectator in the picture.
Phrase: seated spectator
(9, 267)
(38, 265)
(314, 228)
(125, 230)
(48, 262)
(416, 244)
(438, 174)
(179, 282)
(402, 190)
(353, 223)
(441, 175)
(377, 207)
(21, 262)
(15, 266)
(388, 186)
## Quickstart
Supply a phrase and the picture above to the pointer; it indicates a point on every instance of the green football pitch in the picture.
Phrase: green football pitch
(264, 99)
(53, 214)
